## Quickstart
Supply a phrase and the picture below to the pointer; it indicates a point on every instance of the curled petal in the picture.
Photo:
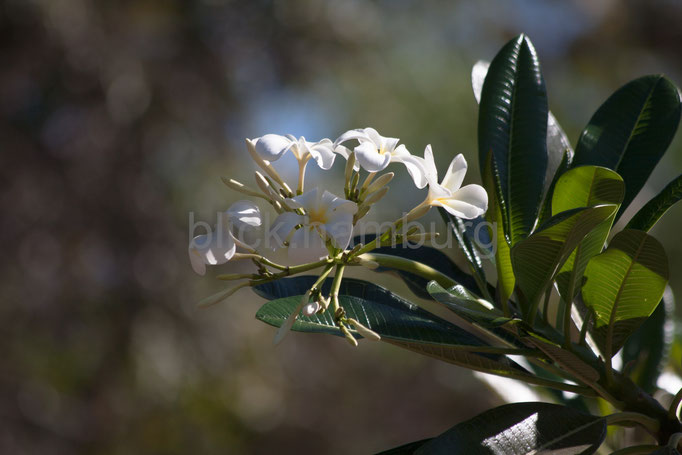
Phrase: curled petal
(213, 248)
(358, 134)
(430, 167)
(244, 213)
(340, 229)
(455, 176)
(370, 159)
(416, 167)
(272, 146)
(323, 153)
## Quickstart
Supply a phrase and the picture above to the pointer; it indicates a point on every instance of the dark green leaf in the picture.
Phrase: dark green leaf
(646, 352)
(538, 259)
(522, 429)
(623, 286)
(513, 125)
(398, 321)
(559, 148)
(653, 210)
(631, 131)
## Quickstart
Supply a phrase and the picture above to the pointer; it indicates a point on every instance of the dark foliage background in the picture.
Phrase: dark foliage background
(117, 119)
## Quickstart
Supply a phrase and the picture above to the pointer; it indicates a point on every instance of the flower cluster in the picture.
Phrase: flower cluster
(320, 224)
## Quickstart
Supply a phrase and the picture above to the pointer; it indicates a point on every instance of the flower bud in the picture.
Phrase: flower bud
(350, 164)
(376, 197)
(364, 331)
(266, 166)
(349, 336)
(240, 187)
(380, 183)
(417, 212)
(311, 308)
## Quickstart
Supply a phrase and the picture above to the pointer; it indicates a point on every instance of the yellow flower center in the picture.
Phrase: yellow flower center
(317, 216)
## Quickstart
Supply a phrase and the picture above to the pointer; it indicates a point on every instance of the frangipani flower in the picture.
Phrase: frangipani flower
(466, 202)
(326, 217)
(375, 152)
(272, 146)
(219, 246)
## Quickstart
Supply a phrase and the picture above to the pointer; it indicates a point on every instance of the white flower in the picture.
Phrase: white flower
(326, 217)
(466, 202)
(374, 152)
(272, 146)
(219, 246)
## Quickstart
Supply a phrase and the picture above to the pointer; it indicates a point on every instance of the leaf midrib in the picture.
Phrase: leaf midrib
(614, 308)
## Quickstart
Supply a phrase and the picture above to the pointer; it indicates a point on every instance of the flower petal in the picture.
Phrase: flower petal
(214, 248)
(416, 167)
(468, 202)
(323, 153)
(281, 229)
(370, 159)
(358, 134)
(332, 202)
(310, 200)
(430, 167)
(339, 228)
(455, 176)
(243, 213)
(272, 146)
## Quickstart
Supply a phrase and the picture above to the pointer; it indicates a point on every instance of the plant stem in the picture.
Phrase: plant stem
(628, 418)
(674, 406)
(645, 449)
(336, 285)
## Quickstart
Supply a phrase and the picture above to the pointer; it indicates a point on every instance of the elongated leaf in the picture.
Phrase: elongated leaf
(585, 186)
(653, 210)
(398, 321)
(571, 362)
(505, 274)
(538, 259)
(512, 123)
(426, 255)
(631, 131)
(624, 285)
(648, 348)
(468, 306)
(546, 211)
(558, 146)
(522, 429)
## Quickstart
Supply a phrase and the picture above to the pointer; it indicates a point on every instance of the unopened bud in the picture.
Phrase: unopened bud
(311, 308)
(381, 182)
(265, 165)
(417, 212)
(220, 296)
(364, 331)
(240, 187)
(376, 197)
(350, 165)
(349, 336)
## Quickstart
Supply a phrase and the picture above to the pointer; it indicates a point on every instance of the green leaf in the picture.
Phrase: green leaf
(546, 211)
(505, 274)
(570, 362)
(558, 146)
(538, 259)
(467, 306)
(631, 131)
(426, 255)
(623, 286)
(585, 186)
(398, 321)
(512, 124)
(522, 429)
(653, 210)
(646, 351)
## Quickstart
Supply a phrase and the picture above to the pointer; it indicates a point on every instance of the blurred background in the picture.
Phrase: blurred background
(117, 119)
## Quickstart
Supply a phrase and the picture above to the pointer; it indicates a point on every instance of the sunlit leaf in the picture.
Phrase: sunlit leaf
(623, 286)
(522, 429)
